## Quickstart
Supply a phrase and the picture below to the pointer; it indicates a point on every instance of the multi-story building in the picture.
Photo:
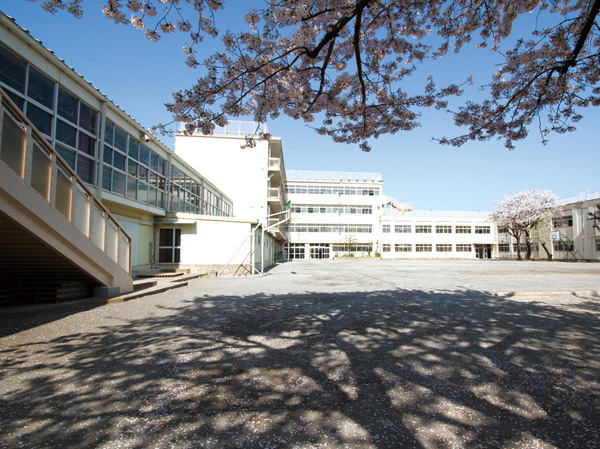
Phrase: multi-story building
(337, 214)
(333, 213)
(571, 235)
(437, 234)
(53, 120)
(254, 178)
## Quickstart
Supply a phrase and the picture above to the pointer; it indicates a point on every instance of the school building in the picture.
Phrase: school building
(89, 199)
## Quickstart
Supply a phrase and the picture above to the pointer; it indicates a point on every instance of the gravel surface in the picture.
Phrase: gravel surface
(323, 354)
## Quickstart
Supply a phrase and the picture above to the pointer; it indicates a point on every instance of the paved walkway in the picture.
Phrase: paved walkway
(332, 354)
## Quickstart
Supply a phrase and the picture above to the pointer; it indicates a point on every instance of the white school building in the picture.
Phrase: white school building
(88, 196)
(341, 214)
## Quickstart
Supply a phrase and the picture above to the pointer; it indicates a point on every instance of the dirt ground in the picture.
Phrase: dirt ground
(324, 354)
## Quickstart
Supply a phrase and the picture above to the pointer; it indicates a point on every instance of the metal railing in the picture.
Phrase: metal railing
(29, 156)
(436, 213)
(234, 128)
(584, 195)
(337, 176)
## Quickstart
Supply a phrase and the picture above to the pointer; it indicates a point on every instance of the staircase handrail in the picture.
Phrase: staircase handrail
(5, 100)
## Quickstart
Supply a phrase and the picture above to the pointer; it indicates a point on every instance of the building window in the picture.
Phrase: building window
(597, 244)
(483, 230)
(503, 230)
(443, 248)
(562, 246)
(402, 229)
(386, 229)
(403, 247)
(169, 245)
(296, 251)
(562, 222)
(54, 112)
(423, 248)
(387, 247)
(463, 248)
(461, 229)
(443, 229)
(521, 246)
(423, 229)
(504, 247)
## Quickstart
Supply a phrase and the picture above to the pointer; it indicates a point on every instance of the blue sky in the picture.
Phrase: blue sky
(139, 76)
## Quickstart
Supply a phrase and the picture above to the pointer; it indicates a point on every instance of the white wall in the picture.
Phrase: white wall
(240, 173)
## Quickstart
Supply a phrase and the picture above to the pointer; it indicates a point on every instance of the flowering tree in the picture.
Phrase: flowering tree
(523, 212)
(346, 63)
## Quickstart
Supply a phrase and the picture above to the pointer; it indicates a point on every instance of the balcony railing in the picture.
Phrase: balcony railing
(274, 163)
(30, 157)
(336, 176)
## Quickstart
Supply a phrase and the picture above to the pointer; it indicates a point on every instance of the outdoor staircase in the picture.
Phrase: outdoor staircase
(57, 240)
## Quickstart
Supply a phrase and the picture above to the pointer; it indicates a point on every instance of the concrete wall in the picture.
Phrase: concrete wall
(241, 173)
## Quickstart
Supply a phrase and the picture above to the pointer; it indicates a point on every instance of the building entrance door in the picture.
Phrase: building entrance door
(483, 251)
(319, 251)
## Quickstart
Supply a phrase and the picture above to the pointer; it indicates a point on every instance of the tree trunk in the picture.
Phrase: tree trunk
(517, 235)
(528, 243)
(548, 253)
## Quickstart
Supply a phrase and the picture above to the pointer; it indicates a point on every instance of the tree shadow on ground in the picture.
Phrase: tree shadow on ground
(360, 370)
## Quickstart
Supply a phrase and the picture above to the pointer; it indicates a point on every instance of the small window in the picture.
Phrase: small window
(403, 247)
(423, 248)
(443, 248)
(387, 247)
(402, 229)
(386, 229)
(443, 229)
(461, 229)
(423, 229)
(465, 248)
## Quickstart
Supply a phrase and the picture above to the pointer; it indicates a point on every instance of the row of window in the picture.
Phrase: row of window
(331, 209)
(129, 168)
(352, 248)
(317, 189)
(439, 229)
(426, 248)
(558, 222)
(505, 247)
(344, 229)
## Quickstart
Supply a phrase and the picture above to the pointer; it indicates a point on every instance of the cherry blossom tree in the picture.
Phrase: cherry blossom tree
(523, 212)
(541, 234)
(347, 63)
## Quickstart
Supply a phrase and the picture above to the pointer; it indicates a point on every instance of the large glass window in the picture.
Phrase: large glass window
(12, 70)
(40, 88)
